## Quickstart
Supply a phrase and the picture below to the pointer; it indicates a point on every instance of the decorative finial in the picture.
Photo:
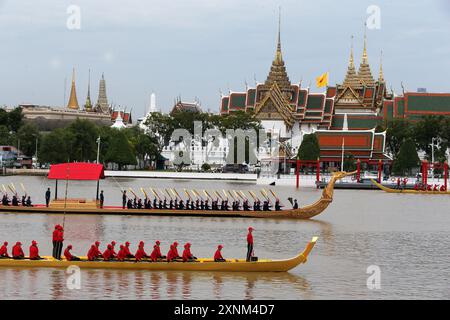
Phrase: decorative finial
(365, 59)
(73, 75)
(278, 56)
(381, 77)
(352, 61)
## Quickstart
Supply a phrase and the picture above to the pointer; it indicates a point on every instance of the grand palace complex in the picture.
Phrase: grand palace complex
(344, 116)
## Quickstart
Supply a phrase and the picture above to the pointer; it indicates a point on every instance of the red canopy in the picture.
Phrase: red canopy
(76, 171)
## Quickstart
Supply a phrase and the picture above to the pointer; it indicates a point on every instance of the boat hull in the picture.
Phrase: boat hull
(231, 265)
(306, 212)
(408, 191)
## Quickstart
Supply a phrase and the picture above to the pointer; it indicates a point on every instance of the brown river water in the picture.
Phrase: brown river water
(406, 236)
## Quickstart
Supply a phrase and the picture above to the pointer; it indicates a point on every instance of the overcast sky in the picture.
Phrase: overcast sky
(195, 48)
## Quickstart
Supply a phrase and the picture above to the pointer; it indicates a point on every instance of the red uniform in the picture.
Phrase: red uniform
(126, 248)
(187, 255)
(67, 253)
(140, 253)
(113, 252)
(98, 253)
(4, 250)
(175, 250)
(107, 255)
(250, 238)
(170, 255)
(55, 234)
(154, 255)
(218, 254)
(34, 251)
(122, 253)
(92, 253)
(17, 251)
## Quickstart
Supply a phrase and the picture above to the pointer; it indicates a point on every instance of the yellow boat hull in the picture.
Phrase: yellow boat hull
(390, 190)
(231, 265)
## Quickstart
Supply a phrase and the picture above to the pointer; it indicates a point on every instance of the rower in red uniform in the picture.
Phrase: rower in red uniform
(55, 240)
(171, 254)
(175, 250)
(187, 255)
(98, 253)
(218, 255)
(34, 251)
(249, 244)
(140, 253)
(127, 250)
(113, 252)
(122, 253)
(92, 253)
(68, 255)
(59, 241)
(17, 251)
(107, 255)
(4, 250)
(160, 256)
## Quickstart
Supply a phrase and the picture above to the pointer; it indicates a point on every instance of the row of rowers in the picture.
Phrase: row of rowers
(110, 254)
(137, 203)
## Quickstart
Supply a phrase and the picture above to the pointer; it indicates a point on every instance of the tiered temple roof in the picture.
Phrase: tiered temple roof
(73, 101)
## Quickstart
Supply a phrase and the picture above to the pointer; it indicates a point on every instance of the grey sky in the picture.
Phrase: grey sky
(197, 47)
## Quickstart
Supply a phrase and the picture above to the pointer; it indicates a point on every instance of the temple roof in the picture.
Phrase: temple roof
(351, 78)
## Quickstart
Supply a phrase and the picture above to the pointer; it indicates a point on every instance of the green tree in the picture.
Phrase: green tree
(398, 130)
(309, 149)
(28, 134)
(54, 147)
(425, 130)
(407, 158)
(15, 117)
(5, 137)
(146, 147)
(120, 150)
(84, 134)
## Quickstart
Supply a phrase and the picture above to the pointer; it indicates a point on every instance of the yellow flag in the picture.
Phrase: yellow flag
(322, 80)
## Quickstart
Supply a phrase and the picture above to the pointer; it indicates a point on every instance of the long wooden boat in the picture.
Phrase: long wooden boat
(306, 212)
(408, 191)
(230, 265)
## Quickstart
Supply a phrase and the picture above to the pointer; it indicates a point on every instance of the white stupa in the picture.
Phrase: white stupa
(118, 124)
(152, 108)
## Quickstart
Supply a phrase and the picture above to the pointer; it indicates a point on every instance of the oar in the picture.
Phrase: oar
(178, 194)
(10, 188)
(238, 195)
(254, 195)
(275, 196)
(4, 189)
(23, 188)
(218, 194)
(225, 193)
(155, 194)
(145, 193)
(174, 194)
(231, 194)
(187, 193)
(208, 195)
(15, 191)
(134, 194)
(198, 194)
(243, 194)
(162, 192)
(264, 195)
(168, 194)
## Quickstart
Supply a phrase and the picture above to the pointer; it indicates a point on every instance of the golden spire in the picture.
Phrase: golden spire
(278, 55)
(380, 76)
(351, 78)
(365, 59)
(351, 63)
(73, 101)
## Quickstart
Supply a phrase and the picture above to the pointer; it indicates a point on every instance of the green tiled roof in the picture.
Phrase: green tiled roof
(314, 102)
(237, 101)
(225, 104)
(358, 123)
(251, 95)
(400, 108)
(302, 97)
(429, 103)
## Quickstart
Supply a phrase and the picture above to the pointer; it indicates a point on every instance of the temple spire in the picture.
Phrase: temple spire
(364, 73)
(88, 104)
(102, 101)
(381, 76)
(278, 72)
(278, 55)
(351, 78)
(73, 101)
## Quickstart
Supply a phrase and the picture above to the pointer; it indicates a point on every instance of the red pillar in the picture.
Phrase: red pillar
(380, 167)
(358, 170)
(445, 174)
(425, 172)
(297, 173)
(317, 170)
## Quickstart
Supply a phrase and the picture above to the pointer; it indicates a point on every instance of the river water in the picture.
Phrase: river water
(406, 236)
